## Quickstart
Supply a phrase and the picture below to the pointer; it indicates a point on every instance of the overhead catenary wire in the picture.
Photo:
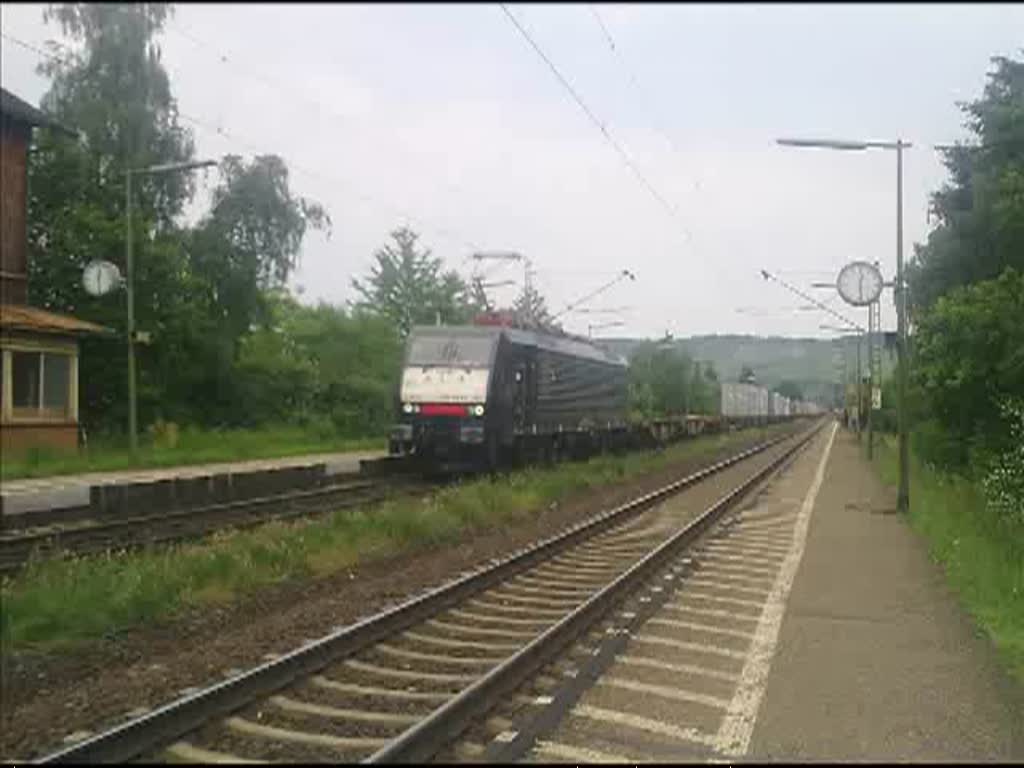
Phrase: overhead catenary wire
(599, 124)
(298, 167)
(769, 276)
(636, 84)
(322, 108)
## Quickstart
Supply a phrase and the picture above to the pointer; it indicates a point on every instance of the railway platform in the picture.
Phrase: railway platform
(818, 629)
(877, 660)
(58, 491)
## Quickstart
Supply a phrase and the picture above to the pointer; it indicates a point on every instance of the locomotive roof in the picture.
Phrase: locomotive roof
(563, 344)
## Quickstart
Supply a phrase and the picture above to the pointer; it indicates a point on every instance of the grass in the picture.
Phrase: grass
(191, 446)
(57, 604)
(981, 554)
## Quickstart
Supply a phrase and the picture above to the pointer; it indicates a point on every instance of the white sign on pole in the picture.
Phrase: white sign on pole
(876, 398)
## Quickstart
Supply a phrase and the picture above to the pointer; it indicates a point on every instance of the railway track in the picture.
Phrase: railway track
(92, 536)
(402, 685)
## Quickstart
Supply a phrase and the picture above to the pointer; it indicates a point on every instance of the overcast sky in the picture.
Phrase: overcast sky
(444, 118)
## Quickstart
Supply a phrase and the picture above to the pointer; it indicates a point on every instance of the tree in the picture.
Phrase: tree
(969, 355)
(532, 309)
(659, 380)
(319, 365)
(409, 286)
(790, 389)
(196, 292)
(980, 211)
(249, 241)
(115, 92)
(965, 282)
(713, 388)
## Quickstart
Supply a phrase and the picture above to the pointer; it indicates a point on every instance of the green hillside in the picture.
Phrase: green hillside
(814, 364)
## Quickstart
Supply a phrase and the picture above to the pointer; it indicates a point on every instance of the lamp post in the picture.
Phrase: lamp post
(903, 496)
(130, 278)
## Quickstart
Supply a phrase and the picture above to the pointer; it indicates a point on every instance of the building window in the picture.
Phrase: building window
(25, 384)
(40, 385)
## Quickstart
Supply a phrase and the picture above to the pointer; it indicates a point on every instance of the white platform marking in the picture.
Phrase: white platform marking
(643, 724)
(675, 694)
(751, 559)
(701, 627)
(729, 568)
(737, 727)
(664, 666)
(726, 586)
(581, 755)
(716, 599)
(681, 645)
(716, 612)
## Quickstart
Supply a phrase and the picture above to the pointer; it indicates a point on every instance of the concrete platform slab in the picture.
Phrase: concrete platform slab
(38, 493)
(858, 651)
(876, 659)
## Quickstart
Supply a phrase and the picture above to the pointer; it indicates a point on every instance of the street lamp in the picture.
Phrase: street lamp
(151, 170)
(903, 495)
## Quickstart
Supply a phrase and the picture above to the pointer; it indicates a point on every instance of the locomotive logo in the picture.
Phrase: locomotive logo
(450, 351)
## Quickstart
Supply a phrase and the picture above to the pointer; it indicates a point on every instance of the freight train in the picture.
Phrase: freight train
(493, 394)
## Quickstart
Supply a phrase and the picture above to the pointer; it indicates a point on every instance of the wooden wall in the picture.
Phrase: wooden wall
(14, 140)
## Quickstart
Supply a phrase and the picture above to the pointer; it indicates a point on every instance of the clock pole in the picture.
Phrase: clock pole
(871, 381)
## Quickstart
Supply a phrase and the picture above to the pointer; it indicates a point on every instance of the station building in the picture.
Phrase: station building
(39, 349)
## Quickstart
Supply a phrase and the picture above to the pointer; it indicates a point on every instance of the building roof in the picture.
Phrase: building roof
(18, 109)
(19, 317)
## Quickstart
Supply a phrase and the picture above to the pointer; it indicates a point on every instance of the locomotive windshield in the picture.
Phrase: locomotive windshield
(451, 351)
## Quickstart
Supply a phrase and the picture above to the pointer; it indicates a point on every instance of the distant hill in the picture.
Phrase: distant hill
(815, 364)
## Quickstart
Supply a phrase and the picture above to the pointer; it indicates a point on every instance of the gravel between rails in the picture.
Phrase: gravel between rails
(47, 697)
(289, 727)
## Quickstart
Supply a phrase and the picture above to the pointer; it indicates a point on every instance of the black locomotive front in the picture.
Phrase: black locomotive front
(447, 414)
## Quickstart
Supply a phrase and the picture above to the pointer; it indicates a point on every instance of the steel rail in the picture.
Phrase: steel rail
(131, 532)
(171, 721)
(422, 741)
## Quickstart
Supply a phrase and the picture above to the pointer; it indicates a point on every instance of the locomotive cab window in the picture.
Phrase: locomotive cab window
(451, 351)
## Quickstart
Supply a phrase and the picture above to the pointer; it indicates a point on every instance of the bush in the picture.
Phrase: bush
(1003, 482)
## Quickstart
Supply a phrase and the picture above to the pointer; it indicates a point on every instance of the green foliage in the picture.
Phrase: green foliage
(980, 548)
(980, 211)
(969, 352)
(311, 363)
(532, 308)
(57, 603)
(198, 291)
(1003, 484)
(967, 284)
(409, 287)
(115, 92)
(790, 389)
(663, 380)
(809, 363)
(190, 445)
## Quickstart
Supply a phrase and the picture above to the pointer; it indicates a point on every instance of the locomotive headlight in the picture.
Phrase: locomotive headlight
(407, 408)
(478, 410)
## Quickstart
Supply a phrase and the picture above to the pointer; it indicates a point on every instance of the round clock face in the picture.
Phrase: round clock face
(859, 283)
(100, 277)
